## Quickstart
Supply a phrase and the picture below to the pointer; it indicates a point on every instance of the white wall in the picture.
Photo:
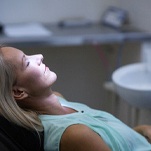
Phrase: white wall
(51, 10)
(139, 12)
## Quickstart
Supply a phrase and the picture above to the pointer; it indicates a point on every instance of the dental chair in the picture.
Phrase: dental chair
(16, 138)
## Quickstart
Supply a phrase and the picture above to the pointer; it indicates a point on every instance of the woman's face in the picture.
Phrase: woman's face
(32, 74)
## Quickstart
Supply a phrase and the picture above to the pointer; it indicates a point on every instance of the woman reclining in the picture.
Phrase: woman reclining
(28, 100)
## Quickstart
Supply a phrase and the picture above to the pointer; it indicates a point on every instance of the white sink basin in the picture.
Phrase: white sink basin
(133, 84)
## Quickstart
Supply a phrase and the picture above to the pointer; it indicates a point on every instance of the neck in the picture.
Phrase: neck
(46, 105)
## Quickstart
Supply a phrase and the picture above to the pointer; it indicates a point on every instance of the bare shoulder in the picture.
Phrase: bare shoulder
(58, 94)
(80, 137)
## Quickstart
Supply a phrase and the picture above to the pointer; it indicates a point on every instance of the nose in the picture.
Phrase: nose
(39, 58)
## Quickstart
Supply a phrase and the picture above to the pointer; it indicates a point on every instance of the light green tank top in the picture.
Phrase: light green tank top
(116, 134)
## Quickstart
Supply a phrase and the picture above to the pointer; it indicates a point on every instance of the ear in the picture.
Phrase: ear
(19, 93)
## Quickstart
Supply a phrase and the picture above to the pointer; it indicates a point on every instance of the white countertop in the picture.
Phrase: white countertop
(61, 36)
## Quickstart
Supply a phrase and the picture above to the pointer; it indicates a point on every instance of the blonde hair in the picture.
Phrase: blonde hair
(8, 105)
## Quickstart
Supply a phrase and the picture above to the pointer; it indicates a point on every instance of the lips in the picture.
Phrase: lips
(46, 68)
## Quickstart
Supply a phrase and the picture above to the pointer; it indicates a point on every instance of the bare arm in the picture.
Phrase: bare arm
(144, 130)
(81, 138)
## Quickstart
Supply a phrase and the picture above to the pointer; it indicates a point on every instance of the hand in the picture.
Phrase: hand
(144, 130)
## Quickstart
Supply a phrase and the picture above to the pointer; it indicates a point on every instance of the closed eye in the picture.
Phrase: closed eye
(27, 64)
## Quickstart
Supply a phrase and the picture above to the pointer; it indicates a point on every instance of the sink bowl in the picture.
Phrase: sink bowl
(133, 84)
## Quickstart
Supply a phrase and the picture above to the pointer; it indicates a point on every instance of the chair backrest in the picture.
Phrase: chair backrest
(16, 138)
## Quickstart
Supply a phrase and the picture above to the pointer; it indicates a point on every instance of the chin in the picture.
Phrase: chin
(53, 77)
